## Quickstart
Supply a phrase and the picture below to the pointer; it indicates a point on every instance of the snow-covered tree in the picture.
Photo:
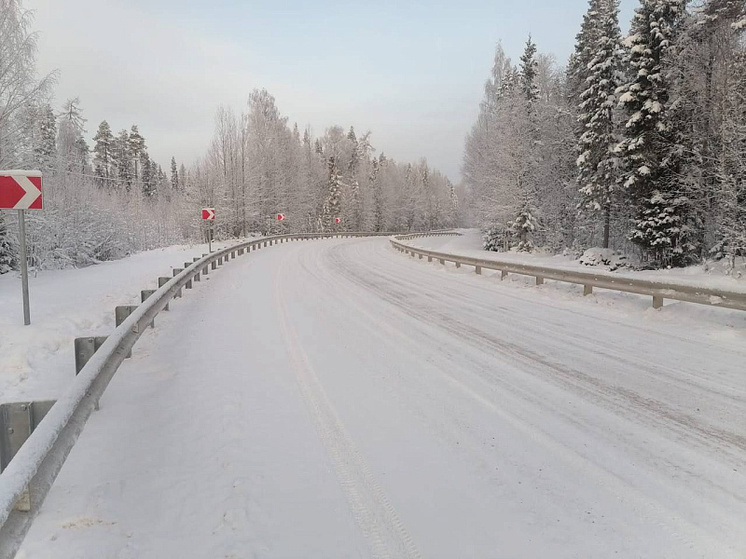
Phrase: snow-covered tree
(136, 145)
(651, 150)
(103, 154)
(333, 204)
(71, 145)
(45, 151)
(586, 47)
(19, 86)
(174, 175)
(123, 159)
(529, 68)
(7, 249)
(523, 227)
(597, 161)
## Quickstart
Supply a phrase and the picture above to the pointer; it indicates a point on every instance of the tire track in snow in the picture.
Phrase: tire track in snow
(616, 397)
(374, 514)
(656, 512)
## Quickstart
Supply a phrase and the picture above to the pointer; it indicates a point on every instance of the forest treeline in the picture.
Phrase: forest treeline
(109, 198)
(639, 144)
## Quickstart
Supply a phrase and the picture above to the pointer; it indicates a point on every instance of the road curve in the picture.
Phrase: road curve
(337, 399)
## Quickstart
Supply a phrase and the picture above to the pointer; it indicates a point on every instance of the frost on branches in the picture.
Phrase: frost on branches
(114, 199)
(651, 150)
(645, 136)
(598, 81)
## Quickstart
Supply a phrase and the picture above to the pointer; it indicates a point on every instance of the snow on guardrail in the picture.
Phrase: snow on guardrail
(658, 290)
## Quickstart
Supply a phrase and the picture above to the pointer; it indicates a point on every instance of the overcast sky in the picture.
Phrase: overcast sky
(412, 72)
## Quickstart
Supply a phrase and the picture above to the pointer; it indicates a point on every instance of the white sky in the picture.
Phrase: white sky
(411, 72)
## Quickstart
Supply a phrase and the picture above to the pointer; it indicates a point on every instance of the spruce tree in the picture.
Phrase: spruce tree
(46, 148)
(149, 175)
(174, 175)
(586, 46)
(523, 226)
(333, 205)
(597, 161)
(528, 72)
(651, 150)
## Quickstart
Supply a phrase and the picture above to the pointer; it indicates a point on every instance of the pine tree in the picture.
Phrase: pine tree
(123, 159)
(174, 175)
(651, 151)
(597, 161)
(103, 158)
(136, 149)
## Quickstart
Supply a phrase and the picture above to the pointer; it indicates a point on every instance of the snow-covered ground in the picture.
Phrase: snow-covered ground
(37, 361)
(337, 399)
(470, 243)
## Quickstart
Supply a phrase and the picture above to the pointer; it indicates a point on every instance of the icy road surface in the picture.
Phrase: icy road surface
(338, 399)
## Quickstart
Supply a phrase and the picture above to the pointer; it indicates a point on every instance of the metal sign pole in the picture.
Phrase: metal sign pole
(24, 266)
(209, 238)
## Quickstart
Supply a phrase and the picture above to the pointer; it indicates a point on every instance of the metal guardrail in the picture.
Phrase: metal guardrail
(658, 290)
(31, 472)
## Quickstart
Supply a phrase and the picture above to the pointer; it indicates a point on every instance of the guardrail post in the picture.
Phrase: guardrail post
(429, 258)
(419, 256)
(503, 275)
(161, 282)
(265, 243)
(197, 276)
(85, 348)
(539, 280)
(214, 265)
(144, 294)
(587, 290)
(176, 272)
(478, 270)
(17, 421)
(458, 264)
(120, 315)
(442, 261)
(188, 284)
(657, 301)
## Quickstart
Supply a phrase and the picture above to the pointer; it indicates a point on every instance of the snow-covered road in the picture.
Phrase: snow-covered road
(337, 399)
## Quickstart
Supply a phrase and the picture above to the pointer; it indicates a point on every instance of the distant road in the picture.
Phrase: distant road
(337, 399)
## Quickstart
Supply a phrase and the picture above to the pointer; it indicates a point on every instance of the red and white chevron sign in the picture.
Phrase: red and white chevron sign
(208, 213)
(280, 217)
(21, 190)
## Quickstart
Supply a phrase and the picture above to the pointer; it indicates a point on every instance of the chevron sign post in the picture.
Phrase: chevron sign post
(21, 190)
(208, 215)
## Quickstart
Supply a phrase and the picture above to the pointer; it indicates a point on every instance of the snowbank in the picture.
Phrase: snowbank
(37, 361)
(470, 244)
